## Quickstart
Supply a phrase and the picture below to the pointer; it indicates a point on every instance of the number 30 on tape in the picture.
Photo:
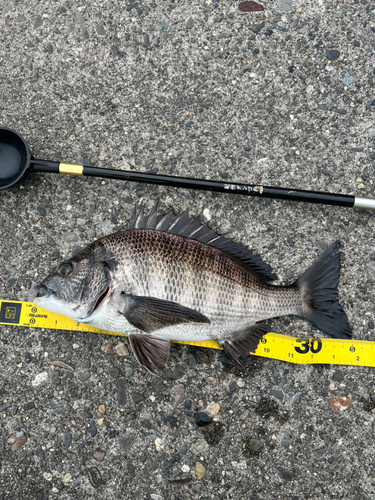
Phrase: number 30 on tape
(317, 351)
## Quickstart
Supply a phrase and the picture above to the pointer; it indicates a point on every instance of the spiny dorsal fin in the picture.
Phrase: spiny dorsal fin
(184, 225)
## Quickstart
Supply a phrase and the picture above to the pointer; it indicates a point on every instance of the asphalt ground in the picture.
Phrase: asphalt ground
(282, 97)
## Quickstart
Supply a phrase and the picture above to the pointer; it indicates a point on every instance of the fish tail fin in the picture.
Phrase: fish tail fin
(320, 304)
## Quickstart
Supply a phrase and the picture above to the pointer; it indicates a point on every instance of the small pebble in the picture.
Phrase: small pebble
(189, 23)
(333, 55)
(17, 440)
(191, 422)
(158, 444)
(16, 64)
(175, 373)
(129, 370)
(338, 376)
(200, 470)
(347, 80)
(101, 409)
(100, 29)
(39, 379)
(287, 439)
(339, 404)
(171, 420)
(284, 5)
(187, 404)
(67, 440)
(47, 476)
(296, 398)
(192, 361)
(84, 376)
(69, 237)
(277, 394)
(114, 372)
(213, 409)
(239, 465)
(199, 447)
(182, 451)
(203, 419)
(137, 398)
(244, 415)
(179, 392)
(162, 26)
(201, 357)
(67, 478)
(122, 350)
(104, 224)
(121, 394)
(285, 474)
(99, 455)
(255, 445)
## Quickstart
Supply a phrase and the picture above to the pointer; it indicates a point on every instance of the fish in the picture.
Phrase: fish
(169, 277)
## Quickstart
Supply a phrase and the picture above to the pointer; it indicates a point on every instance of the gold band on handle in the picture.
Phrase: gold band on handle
(70, 169)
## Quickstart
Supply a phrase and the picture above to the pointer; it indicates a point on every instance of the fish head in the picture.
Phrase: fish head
(75, 288)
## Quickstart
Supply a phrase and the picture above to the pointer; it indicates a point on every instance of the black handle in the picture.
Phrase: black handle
(341, 200)
(51, 167)
(224, 187)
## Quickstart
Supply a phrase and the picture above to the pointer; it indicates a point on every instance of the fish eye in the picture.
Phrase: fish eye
(65, 270)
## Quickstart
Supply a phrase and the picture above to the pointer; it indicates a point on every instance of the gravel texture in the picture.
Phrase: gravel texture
(283, 97)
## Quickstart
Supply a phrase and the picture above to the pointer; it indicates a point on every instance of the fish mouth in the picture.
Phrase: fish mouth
(38, 291)
(100, 299)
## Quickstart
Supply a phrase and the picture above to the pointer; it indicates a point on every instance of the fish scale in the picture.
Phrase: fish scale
(168, 277)
(162, 274)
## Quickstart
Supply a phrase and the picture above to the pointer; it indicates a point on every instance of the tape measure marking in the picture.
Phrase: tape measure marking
(272, 345)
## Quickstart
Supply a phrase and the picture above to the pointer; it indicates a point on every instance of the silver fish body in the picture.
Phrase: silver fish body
(171, 278)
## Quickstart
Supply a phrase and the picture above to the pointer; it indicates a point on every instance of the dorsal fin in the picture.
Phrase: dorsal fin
(184, 225)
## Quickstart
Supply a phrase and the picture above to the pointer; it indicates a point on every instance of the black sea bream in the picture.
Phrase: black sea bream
(171, 278)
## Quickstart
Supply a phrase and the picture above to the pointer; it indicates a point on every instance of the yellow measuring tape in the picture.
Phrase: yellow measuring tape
(272, 345)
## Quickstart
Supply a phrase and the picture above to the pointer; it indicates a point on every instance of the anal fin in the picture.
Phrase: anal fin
(150, 351)
(244, 341)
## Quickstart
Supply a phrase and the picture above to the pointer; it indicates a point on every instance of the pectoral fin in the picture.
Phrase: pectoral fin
(149, 313)
(150, 351)
(247, 342)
